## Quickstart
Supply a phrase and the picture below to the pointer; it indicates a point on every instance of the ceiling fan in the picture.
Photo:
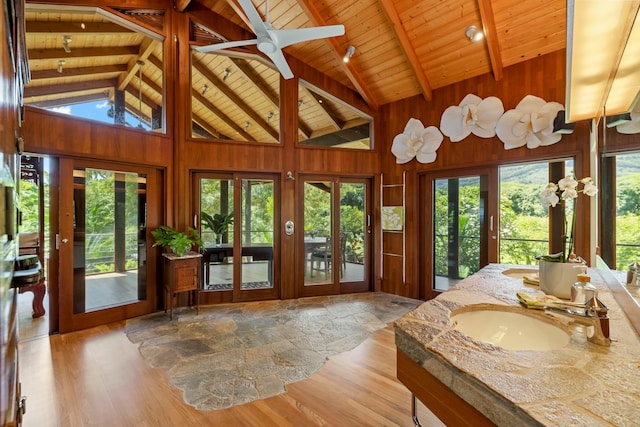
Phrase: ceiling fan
(271, 41)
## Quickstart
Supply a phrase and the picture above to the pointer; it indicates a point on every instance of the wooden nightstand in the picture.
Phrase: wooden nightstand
(182, 274)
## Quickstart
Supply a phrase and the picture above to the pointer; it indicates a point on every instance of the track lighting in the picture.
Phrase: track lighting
(270, 116)
(205, 88)
(350, 51)
(61, 62)
(226, 73)
(246, 126)
(473, 33)
(66, 40)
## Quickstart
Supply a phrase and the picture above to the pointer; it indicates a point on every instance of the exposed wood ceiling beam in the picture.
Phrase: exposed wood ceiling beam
(338, 51)
(80, 71)
(204, 125)
(240, 12)
(324, 107)
(491, 36)
(79, 99)
(59, 53)
(68, 87)
(393, 17)
(215, 110)
(258, 82)
(233, 97)
(181, 5)
(74, 27)
(144, 51)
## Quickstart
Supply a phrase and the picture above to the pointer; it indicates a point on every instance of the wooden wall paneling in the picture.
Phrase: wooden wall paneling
(542, 77)
(288, 138)
(56, 134)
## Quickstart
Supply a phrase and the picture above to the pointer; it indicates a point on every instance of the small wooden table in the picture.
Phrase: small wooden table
(28, 277)
(182, 274)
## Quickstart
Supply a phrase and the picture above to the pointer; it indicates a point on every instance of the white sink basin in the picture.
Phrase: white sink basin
(510, 330)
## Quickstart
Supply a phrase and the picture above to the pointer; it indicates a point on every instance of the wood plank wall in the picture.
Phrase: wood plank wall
(543, 77)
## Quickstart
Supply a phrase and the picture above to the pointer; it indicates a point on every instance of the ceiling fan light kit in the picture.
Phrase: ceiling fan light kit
(271, 41)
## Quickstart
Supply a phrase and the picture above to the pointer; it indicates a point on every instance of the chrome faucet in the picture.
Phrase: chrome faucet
(595, 314)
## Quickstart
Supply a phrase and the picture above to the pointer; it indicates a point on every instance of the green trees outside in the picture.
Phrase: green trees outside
(523, 219)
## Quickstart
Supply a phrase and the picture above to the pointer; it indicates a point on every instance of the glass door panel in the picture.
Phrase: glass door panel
(353, 231)
(318, 232)
(238, 228)
(459, 242)
(216, 213)
(257, 234)
(109, 251)
(104, 272)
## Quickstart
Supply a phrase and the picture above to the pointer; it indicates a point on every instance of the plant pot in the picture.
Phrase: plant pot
(556, 278)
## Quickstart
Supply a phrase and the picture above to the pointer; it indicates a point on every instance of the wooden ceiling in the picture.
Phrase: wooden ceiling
(403, 48)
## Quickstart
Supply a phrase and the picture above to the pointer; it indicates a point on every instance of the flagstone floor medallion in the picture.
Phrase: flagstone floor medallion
(231, 354)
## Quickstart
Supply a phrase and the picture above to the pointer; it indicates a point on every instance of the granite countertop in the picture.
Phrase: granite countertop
(579, 384)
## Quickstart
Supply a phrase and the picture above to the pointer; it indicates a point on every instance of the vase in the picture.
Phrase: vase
(556, 278)
(218, 237)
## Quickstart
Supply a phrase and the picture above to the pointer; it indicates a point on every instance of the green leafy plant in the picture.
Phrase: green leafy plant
(179, 242)
(218, 223)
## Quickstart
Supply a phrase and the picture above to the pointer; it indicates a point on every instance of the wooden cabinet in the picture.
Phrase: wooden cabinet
(182, 274)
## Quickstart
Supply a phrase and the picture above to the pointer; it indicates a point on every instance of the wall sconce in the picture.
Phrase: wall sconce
(350, 51)
(225, 74)
(61, 62)
(65, 43)
(205, 88)
(473, 33)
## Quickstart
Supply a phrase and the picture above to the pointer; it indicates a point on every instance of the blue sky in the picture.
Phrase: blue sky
(95, 110)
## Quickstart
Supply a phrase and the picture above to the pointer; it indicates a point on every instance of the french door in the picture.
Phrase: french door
(459, 221)
(102, 241)
(240, 256)
(335, 237)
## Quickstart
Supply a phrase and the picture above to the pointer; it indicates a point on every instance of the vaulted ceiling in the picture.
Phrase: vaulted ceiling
(403, 48)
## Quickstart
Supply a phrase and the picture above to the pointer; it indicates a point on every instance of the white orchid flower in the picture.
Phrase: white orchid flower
(432, 140)
(473, 115)
(416, 141)
(530, 123)
(568, 182)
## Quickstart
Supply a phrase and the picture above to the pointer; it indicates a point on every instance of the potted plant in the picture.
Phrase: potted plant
(177, 241)
(218, 223)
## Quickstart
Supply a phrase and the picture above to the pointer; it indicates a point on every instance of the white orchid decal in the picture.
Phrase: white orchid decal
(473, 115)
(416, 141)
(530, 123)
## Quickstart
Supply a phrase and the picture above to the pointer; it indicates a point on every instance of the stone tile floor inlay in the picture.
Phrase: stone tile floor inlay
(232, 354)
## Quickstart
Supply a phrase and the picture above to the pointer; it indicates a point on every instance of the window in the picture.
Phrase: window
(89, 63)
(325, 121)
(524, 221)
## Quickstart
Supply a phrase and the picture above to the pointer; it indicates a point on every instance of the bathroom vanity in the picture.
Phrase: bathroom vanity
(465, 381)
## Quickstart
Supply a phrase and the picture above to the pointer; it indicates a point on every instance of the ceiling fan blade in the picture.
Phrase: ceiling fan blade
(250, 10)
(284, 38)
(225, 45)
(281, 64)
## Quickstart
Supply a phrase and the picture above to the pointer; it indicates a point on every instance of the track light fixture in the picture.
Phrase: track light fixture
(270, 116)
(61, 63)
(66, 40)
(205, 88)
(246, 126)
(350, 51)
(225, 74)
(473, 33)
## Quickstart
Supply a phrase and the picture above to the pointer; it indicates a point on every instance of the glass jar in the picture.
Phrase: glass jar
(581, 288)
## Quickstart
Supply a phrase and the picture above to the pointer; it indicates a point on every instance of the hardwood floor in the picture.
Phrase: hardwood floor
(97, 377)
